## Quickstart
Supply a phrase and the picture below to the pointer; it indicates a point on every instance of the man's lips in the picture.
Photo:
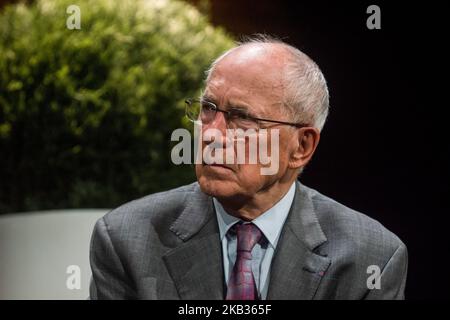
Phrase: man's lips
(218, 165)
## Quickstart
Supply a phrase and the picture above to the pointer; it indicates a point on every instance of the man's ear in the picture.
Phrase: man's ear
(304, 144)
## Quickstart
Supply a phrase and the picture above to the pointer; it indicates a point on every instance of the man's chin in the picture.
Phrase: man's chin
(217, 188)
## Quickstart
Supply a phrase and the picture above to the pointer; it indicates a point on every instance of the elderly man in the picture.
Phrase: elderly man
(236, 233)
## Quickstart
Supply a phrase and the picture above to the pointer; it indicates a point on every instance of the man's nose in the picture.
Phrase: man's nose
(219, 123)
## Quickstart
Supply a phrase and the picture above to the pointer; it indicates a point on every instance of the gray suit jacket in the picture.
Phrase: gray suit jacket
(167, 246)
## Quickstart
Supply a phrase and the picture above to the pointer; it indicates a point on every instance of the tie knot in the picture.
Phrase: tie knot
(248, 236)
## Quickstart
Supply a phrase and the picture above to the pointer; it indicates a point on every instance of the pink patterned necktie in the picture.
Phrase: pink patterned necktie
(242, 283)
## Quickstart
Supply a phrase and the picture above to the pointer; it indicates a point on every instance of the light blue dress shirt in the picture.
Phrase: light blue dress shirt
(270, 223)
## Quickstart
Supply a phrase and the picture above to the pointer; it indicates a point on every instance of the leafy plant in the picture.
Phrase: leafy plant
(86, 115)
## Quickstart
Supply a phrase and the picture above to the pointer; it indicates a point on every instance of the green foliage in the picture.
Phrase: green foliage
(86, 115)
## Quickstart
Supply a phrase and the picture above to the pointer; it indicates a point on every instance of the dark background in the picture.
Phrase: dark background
(384, 148)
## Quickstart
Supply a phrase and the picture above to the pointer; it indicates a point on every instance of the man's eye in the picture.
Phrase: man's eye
(239, 115)
(207, 107)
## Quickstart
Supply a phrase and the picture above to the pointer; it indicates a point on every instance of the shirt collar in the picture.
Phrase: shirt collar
(270, 222)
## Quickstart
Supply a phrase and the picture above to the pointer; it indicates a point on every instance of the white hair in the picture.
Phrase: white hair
(306, 93)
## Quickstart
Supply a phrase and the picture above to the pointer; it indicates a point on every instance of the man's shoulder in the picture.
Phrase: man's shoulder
(358, 248)
(347, 227)
(161, 207)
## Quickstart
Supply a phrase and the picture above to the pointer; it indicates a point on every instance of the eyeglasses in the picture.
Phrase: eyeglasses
(204, 112)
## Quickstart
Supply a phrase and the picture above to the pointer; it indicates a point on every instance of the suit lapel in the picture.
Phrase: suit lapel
(296, 268)
(196, 266)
